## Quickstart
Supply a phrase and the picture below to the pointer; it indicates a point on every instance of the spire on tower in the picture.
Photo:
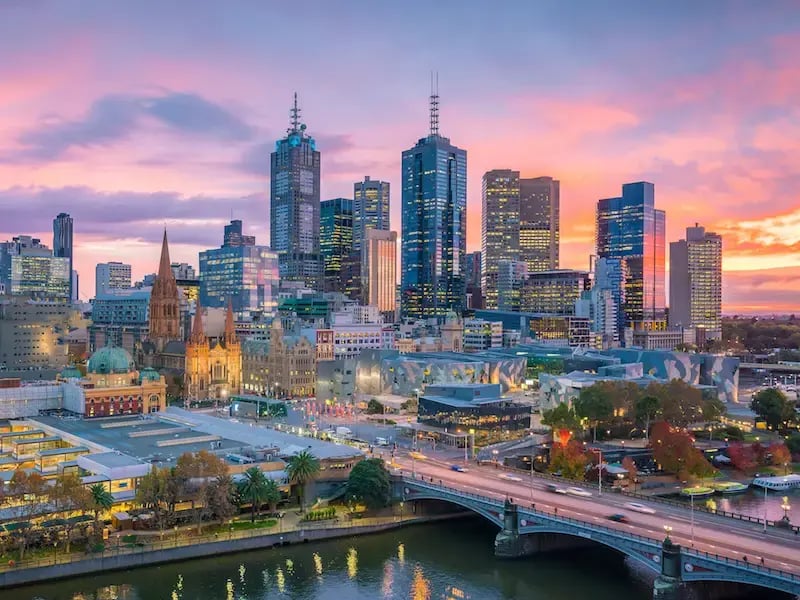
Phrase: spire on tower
(230, 330)
(198, 335)
(164, 265)
(294, 112)
(434, 103)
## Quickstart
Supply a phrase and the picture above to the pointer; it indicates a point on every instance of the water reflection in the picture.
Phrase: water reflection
(420, 587)
(352, 563)
(318, 564)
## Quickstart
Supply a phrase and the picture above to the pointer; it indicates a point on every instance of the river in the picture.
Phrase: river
(444, 561)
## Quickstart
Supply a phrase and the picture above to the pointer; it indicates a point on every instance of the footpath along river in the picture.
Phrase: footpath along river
(451, 560)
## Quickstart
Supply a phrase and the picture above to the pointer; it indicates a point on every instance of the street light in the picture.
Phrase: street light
(531, 465)
(786, 508)
(667, 531)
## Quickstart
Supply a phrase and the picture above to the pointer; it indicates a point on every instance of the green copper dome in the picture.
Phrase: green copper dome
(110, 359)
(70, 372)
(148, 374)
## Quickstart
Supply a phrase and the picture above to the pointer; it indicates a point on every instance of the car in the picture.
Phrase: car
(641, 508)
(379, 441)
(618, 517)
(417, 455)
(458, 468)
(510, 477)
(576, 491)
(555, 489)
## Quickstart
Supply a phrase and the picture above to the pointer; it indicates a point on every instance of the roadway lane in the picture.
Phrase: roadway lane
(713, 534)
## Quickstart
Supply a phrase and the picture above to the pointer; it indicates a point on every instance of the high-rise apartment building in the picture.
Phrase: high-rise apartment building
(62, 247)
(243, 275)
(499, 228)
(539, 199)
(370, 209)
(28, 268)
(378, 275)
(695, 282)
(111, 276)
(336, 242)
(630, 228)
(434, 211)
(294, 204)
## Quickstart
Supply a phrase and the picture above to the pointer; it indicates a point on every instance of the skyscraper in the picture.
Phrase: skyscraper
(499, 228)
(336, 241)
(632, 229)
(539, 223)
(111, 276)
(434, 210)
(62, 246)
(29, 268)
(370, 208)
(695, 281)
(472, 277)
(294, 204)
(233, 235)
(378, 276)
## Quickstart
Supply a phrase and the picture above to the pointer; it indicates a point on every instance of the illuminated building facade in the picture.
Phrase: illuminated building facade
(370, 209)
(434, 211)
(213, 367)
(244, 274)
(553, 292)
(378, 271)
(29, 268)
(63, 248)
(336, 242)
(539, 218)
(631, 229)
(471, 406)
(500, 232)
(295, 205)
(695, 282)
(111, 276)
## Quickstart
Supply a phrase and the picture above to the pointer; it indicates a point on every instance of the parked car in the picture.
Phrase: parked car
(641, 508)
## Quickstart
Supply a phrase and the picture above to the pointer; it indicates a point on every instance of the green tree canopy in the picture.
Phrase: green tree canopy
(253, 490)
(595, 405)
(774, 407)
(561, 416)
(646, 408)
(369, 483)
(302, 468)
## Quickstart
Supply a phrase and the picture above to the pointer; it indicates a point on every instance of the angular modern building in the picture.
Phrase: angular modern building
(695, 282)
(539, 206)
(62, 248)
(242, 274)
(434, 228)
(295, 206)
(632, 230)
(336, 242)
(379, 272)
(499, 227)
(370, 209)
(111, 276)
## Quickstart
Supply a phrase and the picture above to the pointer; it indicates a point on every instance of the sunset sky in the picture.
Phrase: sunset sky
(132, 114)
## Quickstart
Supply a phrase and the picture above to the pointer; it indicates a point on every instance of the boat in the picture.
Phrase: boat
(729, 487)
(779, 483)
(697, 491)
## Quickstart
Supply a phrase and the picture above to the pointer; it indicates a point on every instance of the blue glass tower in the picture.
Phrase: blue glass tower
(294, 204)
(631, 229)
(434, 211)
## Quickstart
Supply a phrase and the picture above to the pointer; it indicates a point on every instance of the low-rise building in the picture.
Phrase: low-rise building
(284, 365)
(480, 334)
(477, 408)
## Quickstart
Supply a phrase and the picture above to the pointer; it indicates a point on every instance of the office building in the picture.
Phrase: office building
(631, 229)
(539, 200)
(111, 276)
(370, 209)
(500, 233)
(434, 210)
(336, 242)
(473, 280)
(553, 292)
(243, 274)
(482, 335)
(479, 408)
(295, 206)
(120, 318)
(378, 272)
(695, 282)
(233, 235)
(63, 248)
(511, 276)
(28, 268)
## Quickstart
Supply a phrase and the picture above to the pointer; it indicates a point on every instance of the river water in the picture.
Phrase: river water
(753, 504)
(445, 561)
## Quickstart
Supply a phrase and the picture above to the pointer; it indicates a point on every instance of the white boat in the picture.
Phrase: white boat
(779, 483)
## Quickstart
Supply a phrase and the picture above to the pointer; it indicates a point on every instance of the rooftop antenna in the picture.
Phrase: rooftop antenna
(295, 114)
(434, 103)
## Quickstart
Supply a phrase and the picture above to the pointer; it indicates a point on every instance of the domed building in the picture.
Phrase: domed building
(112, 386)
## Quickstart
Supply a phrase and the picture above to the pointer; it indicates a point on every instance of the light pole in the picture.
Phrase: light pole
(667, 531)
(531, 465)
(786, 508)
(691, 501)
(599, 470)
(466, 448)
(765, 509)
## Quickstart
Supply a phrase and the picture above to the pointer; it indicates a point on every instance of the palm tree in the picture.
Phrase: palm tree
(101, 500)
(302, 468)
(253, 489)
(272, 494)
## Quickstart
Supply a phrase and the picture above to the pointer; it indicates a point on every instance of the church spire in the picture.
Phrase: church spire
(164, 265)
(230, 330)
(198, 336)
(165, 316)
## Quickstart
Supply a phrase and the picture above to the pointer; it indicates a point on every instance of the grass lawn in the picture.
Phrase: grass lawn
(247, 525)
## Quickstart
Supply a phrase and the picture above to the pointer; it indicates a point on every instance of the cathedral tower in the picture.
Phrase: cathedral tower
(164, 303)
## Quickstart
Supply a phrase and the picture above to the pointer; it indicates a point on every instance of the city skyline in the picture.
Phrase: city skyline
(183, 136)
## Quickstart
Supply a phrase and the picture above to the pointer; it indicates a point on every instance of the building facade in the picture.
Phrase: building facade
(553, 292)
(29, 268)
(241, 273)
(336, 243)
(213, 365)
(511, 277)
(473, 280)
(539, 223)
(482, 335)
(111, 276)
(295, 205)
(370, 209)
(120, 318)
(434, 211)
(500, 233)
(63, 247)
(378, 272)
(164, 311)
(695, 282)
(631, 229)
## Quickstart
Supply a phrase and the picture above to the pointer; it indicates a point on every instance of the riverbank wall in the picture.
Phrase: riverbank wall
(163, 552)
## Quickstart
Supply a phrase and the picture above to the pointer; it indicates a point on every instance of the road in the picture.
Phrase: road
(704, 532)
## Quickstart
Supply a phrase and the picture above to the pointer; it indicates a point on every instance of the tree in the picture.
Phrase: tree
(774, 407)
(374, 407)
(253, 489)
(569, 459)
(742, 456)
(646, 408)
(302, 468)
(561, 416)
(152, 494)
(221, 497)
(594, 404)
(101, 500)
(674, 450)
(793, 443)
(681, 404)
(630, 466)
(780, 454)
(195, 472)
(369, 483)
(69, 495)
(32, 489)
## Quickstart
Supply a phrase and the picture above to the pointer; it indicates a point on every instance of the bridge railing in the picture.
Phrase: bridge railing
(744, 564)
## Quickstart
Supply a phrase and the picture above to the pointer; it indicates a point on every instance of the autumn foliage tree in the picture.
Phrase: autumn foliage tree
(569, 459)
(780, 454)
(674, 450)
(742, 456)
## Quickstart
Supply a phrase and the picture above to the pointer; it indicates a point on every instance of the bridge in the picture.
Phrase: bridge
(528, 529)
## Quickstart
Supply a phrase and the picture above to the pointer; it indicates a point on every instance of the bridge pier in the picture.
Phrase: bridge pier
(509, 543)
(668, 585)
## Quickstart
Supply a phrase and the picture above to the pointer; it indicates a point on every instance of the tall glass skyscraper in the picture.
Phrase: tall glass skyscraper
(370, 208)
(434, 199)
(62, 247)
(336, 242)
(499, 228)
(294, 204)
(632, 229)
(539, 223)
